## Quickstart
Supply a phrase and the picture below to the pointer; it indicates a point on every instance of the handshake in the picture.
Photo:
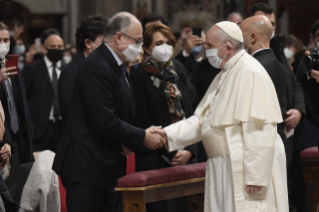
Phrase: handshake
(155, 137)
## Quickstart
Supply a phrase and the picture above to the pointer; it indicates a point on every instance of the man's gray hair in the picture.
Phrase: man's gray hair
(234, 13)
(224, 38)
(120, 22)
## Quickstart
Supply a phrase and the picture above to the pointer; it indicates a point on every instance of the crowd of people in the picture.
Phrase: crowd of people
(130, 86)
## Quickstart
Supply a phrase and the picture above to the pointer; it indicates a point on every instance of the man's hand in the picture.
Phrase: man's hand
(126, 151)
(5, 154)
(6, 73)
(191, 42)
(293, 119)
(181, 158)
(315, 74)
(154, 140)
(253, 189)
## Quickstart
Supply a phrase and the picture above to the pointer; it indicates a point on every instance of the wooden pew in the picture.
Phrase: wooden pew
(156, 185)
(310, 162)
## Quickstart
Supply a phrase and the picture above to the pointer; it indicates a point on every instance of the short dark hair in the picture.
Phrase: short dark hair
(153, 17)
(3, 26)
(47, 33)
(263, 7)
(90, 28)
(315, 28)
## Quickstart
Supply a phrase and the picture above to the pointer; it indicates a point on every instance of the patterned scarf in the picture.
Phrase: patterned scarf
(166, 77)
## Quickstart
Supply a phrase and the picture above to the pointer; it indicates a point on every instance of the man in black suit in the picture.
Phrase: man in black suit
(294, 99)
(18, 121)
(41, 79)
(102, 112)
(89, 36)
(257, 31)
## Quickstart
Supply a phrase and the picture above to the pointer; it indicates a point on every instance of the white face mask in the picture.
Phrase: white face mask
(162, 53)
(132, 51)
(273, 34)
(288, 53)
(67, 59)
(247, 48)
(4, 49)
(213, 58)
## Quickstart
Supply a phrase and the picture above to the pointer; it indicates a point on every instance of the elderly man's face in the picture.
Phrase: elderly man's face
(131, 36)
(213, 42)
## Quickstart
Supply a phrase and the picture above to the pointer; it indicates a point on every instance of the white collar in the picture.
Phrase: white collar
(50, 64)
(259, 50)
(117, 58)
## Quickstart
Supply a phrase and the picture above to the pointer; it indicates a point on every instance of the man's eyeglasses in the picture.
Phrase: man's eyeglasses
(138, 42)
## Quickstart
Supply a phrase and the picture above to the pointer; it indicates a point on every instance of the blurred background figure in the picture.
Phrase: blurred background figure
(235, 17)
(89, 36)
(41, 81)
(67, 57)
(162, 98)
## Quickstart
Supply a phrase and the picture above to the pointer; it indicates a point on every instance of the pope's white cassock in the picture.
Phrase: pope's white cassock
(238, 127)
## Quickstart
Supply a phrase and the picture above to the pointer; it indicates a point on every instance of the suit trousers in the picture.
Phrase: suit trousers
(81, 198)
(51, 138)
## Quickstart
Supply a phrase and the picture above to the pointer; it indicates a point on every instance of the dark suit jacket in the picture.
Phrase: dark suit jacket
(66, 83)
(102, 111)
(152, 109)
(25, 133)
(40, 95)
(294, 94)
(277, 74)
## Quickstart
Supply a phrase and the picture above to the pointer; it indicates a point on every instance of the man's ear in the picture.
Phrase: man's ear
(87, 43)
(253, 38)
(118, 37)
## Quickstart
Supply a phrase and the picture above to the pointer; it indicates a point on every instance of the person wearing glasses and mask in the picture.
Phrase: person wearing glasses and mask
(89, 158)
(162, 98)
(89, 35)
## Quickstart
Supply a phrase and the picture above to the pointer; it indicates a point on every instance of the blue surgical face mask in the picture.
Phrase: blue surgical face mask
(196, 50)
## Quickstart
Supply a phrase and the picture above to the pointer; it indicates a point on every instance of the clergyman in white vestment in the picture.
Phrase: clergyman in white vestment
(237, 122)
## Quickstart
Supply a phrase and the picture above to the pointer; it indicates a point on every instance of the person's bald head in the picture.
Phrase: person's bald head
(257, 31)
(235, 17)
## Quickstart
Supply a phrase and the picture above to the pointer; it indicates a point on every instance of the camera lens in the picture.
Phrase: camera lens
(10, 58)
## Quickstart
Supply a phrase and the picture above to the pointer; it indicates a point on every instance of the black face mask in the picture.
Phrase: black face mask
(55, 54)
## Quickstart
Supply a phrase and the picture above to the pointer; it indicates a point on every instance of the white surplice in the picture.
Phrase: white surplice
(238, 127)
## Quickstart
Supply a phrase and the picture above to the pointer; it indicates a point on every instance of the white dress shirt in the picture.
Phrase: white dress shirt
(49, 65)
(118, 60)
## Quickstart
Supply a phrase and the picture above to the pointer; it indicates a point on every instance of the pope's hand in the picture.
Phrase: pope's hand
(154, 140)
(250, 189)
(159, 131)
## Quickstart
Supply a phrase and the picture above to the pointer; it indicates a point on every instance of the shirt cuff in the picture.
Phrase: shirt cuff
(185, 54)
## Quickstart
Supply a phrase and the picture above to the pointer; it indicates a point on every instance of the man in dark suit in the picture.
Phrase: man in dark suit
(257, 31)
(294, 101)
(18, 121)
(41, 79)
(101, 116)
(89, 36)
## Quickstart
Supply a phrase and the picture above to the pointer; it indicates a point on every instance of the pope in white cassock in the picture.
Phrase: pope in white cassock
(237, 122)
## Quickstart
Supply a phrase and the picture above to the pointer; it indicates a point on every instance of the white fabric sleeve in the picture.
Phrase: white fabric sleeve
(258, 152)
(183, 133)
